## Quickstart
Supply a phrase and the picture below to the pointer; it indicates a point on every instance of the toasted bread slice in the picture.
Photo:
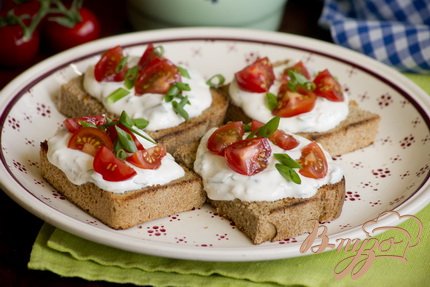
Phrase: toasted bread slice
(357, 131)
(73, 101)
(121, 211)
(284, 218)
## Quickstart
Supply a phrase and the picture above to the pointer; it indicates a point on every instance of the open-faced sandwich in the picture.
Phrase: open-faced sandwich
(113, 170)
(311, 105)
(179, 103)
(271, 184)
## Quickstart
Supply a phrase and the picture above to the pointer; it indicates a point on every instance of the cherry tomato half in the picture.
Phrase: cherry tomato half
(313, 161)
(60, 37)
(248, 156)
(73, 124)
(89, 140)
(147, 56)
(149, 158)
(110, 167)
(157, 77)
(256, 77)
(225, 136)
(294, 103)
(106, 68)
(328, 87)
(279, 137)
(298, 67)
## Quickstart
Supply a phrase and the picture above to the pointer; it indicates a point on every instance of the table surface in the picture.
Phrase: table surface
(19, 228)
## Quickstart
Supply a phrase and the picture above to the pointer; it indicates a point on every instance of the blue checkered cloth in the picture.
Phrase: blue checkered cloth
(395, 32)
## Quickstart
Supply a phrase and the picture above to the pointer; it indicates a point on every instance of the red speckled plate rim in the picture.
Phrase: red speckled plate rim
(12, 93)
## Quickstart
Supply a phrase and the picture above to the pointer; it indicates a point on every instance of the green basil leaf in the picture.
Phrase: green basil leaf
(140, 123)
(117, 95)
(269, 128)
(125, 119)
(288, 173)
(297, 79)
(216, 81)
(286, 160)
(271, 101)
(126, 140)
(184, 72)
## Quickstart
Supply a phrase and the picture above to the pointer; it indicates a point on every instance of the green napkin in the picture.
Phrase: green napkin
(68, 255)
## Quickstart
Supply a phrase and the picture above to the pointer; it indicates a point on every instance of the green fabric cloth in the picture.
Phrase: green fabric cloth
(68, 255)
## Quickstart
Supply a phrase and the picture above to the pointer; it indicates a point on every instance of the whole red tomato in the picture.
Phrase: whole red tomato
(60, 37)
(15, 50)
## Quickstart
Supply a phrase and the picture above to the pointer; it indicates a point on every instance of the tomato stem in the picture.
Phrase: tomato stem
(69, 17)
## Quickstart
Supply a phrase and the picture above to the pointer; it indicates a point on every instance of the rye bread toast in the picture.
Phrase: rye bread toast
(357, 131)
(284, 218)
(121, 211)
(73, 101)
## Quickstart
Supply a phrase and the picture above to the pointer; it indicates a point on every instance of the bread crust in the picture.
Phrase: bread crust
(285, 218)
(357, 131)
(124, 210)
(73, 101)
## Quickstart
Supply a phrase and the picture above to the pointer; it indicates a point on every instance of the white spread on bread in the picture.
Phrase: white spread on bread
(323, 117)
(78, 167)
(152, 107)
(222, 183)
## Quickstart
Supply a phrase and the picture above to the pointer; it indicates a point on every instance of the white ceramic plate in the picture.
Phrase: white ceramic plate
(391, 174)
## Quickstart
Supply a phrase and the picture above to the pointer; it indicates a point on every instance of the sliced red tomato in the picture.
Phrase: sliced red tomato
(294, 103)
(157, 77)
(248, 156)
(73, 124)
(328, 87)
(149, 158)
(313, 161)
(257, 77)
(225, 136)
(113, 135)
(110, 167)
(147, 56)
(279, 137)
(108, 68)
(89, 140)
(298, 67)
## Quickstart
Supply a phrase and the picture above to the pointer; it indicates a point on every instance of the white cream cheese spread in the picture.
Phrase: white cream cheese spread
(78, 167)
(152, 107)
(323, 117)
(222, 183)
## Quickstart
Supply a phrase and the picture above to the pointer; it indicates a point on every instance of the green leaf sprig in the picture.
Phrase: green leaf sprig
(286, 167)
(298, 80)
(267, 130)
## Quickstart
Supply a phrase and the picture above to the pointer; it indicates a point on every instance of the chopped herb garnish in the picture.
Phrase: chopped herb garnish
(121, 154)
(128, 122)
(216, 81)
(117, 95)
(159, 51)
(121, 64)
(126, 140)
(298, 80)
(125, 119)
(87, 124)
(271, 101)
(184, 72)
(182, 86)
(130, 77)
(178, 107)
(286, 167)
